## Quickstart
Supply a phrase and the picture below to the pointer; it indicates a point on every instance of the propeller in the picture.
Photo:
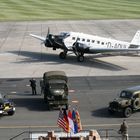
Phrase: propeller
(75, 46)
(48, 40)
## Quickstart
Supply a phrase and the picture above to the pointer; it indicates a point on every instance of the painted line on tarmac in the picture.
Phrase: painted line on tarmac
(41, 126)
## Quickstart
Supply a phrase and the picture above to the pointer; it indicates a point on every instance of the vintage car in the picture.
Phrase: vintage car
(127, 102)
(6, 106)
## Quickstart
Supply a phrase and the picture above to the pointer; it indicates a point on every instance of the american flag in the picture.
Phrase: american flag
(63, 121)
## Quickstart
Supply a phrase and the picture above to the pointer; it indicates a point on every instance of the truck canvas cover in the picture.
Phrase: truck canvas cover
(55, 75)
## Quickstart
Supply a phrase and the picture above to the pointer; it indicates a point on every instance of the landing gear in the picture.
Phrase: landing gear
(80, 58)
(63, 55)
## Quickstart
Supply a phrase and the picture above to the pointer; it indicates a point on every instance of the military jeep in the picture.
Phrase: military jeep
(127, 102)
(6, 106)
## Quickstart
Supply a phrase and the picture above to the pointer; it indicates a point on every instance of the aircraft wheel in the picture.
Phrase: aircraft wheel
(80, 58)
(62, 55)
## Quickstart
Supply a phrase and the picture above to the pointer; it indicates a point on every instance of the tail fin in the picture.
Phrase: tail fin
(135, 43)
(136, 39)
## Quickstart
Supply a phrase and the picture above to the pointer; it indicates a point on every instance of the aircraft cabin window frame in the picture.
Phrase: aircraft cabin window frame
(73, 38)
(78, 39)
(102, 43)
(88, 40)
(83, 40)
(98, 42)
(93, 41)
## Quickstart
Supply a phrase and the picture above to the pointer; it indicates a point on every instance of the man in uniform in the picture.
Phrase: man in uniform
(124, 130)
(33, 86)
(42, 85)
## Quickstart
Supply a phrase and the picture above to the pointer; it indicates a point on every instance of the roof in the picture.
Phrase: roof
(133, 89)
(61, 75)
(51, 73)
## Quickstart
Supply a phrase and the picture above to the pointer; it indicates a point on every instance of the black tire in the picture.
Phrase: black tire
(10, 113)
(45, 98)
(127, 112)
(66, 105)
(80, 58)
(62, 55)
(136, 104)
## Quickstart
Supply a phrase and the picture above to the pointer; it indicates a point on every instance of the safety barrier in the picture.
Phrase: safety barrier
(105, 134)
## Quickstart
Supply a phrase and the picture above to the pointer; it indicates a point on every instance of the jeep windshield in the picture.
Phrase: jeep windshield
(57, 84)
(125, 94)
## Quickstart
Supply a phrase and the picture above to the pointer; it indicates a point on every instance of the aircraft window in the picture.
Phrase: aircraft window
(73, 38)
(93, 41)
(102, 43)
(64, 34)
(98, 42)
(78, 39)
(83, 39)
(88, 40)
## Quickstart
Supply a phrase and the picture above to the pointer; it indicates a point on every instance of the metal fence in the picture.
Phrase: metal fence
(105, 134)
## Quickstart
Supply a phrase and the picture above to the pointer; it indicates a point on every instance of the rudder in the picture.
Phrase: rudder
(136, 39)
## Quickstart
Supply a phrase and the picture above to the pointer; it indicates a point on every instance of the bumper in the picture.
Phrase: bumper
(63, 102)
(6, 110)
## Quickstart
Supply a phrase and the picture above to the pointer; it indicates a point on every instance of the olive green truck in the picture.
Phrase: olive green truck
(55, 89)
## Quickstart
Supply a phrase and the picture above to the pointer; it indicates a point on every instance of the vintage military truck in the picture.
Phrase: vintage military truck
(127, 102)
(55, 89)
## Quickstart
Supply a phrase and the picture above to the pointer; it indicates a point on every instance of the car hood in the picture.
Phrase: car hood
(121, 100)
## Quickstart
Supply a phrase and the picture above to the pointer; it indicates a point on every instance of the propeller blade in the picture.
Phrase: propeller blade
(48, 33)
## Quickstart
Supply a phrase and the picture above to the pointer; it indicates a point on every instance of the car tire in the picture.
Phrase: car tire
(136, 104)
(10, 113)
(127, 112)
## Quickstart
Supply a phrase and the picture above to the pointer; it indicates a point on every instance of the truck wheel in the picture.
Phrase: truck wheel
(66, 106)
(49, 107)
(127, 112)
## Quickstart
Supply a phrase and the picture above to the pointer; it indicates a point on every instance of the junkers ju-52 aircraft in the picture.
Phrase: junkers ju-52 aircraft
(80, 43)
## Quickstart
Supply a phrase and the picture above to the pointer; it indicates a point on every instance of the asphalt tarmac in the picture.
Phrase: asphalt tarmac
(24, 56)
(91, 93)
(92, 83)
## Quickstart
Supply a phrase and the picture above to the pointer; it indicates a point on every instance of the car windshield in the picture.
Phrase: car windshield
(125, 94)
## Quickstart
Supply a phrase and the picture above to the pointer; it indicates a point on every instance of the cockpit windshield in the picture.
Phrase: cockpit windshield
(125, 94)
(64, 34)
